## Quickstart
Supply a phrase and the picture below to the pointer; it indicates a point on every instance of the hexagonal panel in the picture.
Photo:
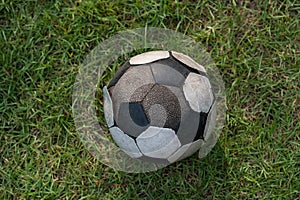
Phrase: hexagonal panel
(158, 142)
(198, 93)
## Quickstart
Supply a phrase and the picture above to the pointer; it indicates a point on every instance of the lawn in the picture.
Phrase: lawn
(256, 47)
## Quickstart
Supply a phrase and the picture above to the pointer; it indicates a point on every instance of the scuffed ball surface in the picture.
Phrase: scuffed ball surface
(159, 106)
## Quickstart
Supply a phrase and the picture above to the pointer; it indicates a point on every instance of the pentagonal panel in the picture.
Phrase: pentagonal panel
(158, 142)
(185, 151)
(148, 57)
(132, 79)
(161, 95)
(132, 118)
(137, 114)
(108, 108)
(188, 61)
(166, 75)
(198, 93)
(126, 143)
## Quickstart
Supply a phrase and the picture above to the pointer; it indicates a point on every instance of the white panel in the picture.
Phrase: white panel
(209, 134)
(175, 156)
(186, 151)
(125, 142)
(158, 142)
(198, 93)
(188, 61)
(108, 108)
(148, 57)
(211, 121)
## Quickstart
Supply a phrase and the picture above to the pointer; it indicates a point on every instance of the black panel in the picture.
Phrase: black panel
(118, 74)
(137, 114)
(201, 126)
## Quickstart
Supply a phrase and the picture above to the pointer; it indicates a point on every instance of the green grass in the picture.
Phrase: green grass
(256, 47)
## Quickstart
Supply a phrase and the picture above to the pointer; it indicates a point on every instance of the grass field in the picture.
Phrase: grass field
(256, 46)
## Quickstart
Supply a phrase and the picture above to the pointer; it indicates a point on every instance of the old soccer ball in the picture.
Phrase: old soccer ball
(160, 107)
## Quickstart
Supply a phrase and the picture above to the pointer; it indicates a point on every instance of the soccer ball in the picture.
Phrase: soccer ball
(160, 107)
